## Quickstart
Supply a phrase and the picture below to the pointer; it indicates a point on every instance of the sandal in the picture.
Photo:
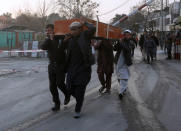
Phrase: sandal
(101, 89)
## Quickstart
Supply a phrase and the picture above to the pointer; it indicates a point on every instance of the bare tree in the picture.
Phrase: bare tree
(53, 17)
(30, 21)
(7, 18)
(148, 12)
(117, 18)
(76, 8)
(44, 8)
(142, 19)
(131, 23)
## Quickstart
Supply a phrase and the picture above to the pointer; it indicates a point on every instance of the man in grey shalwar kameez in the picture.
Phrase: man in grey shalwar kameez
(122, 73)
(123, 60)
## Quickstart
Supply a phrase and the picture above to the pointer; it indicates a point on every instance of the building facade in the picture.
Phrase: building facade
(171, 15)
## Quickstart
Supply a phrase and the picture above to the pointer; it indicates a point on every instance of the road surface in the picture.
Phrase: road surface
(152, 102)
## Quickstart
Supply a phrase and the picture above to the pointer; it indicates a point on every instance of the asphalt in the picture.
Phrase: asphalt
(152, 102)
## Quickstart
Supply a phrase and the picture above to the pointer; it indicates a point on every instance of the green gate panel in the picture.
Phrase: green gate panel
(7, 39)
(24, 36)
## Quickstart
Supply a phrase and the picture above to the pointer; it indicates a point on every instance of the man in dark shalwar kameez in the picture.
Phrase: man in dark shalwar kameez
(79, 61)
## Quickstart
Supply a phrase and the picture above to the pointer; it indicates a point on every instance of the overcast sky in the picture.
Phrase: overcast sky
(14, 6)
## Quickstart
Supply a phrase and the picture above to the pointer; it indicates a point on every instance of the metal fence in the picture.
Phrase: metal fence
(13, 40)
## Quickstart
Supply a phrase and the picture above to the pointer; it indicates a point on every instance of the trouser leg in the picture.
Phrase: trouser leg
(108, 81)
(61, 83)
(53, 85)
(169, 54)
(79, 96)
(132, 52)
(155, 52)
(148, 55)
(101, 78)
(151, 54)
(169, 50)
(123, 85)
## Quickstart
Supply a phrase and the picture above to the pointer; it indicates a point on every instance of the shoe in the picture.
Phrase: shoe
(120, 96)
(67, 100)
(108, 91)
(101, 89)
(56, 107)
(77, 115)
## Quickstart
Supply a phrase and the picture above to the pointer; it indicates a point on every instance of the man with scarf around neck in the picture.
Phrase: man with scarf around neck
(123, 60)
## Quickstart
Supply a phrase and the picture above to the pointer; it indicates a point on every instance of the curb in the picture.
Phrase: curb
(7, 72)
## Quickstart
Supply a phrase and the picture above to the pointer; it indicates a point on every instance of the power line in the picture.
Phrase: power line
(115, 8)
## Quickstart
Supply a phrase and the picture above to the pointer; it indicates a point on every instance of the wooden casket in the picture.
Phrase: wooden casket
(103, 30)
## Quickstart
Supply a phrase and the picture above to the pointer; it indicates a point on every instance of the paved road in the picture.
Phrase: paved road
(24, 92)
(151, 104)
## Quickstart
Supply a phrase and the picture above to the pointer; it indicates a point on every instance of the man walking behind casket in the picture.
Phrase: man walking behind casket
(123, 60)
(105, 64)
(79, 61)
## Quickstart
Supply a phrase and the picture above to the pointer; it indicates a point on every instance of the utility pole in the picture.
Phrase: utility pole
(167, 3)
(162, 35)
(180, 7)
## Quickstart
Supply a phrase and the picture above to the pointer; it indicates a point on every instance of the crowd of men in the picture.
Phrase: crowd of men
(171, 37)
(148, 45)
(71, 58)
